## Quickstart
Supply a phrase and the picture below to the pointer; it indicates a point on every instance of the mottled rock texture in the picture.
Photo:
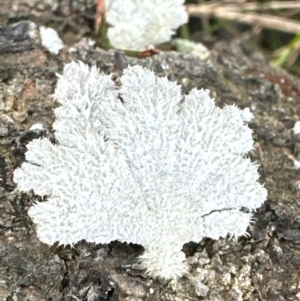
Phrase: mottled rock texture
(264, 266)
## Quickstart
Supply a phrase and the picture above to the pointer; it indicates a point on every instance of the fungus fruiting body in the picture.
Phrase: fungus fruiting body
(141, 163)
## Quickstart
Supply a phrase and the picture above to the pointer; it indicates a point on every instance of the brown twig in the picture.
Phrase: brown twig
(100, 11)
(274, 5)
(233, 13)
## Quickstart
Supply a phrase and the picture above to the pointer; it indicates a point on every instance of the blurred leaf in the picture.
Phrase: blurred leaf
(286, 52)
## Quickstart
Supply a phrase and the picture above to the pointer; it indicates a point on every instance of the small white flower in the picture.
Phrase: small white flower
(141, 164)
(137, 24)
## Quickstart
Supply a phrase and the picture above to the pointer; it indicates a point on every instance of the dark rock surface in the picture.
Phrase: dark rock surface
(264, 266)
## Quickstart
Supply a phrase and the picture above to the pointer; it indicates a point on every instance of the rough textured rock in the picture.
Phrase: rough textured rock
(264, 266)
